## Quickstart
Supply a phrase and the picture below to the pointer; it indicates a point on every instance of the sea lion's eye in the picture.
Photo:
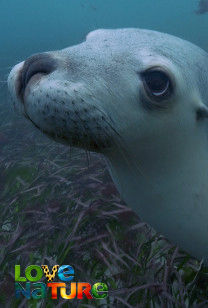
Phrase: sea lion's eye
(157, 83)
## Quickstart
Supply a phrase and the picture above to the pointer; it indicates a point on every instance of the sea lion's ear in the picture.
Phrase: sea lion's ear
(202, 112)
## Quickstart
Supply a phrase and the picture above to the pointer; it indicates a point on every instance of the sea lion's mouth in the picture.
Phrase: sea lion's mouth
(93, 139)
(90, 141)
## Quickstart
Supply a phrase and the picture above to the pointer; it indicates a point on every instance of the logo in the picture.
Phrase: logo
(29, 286)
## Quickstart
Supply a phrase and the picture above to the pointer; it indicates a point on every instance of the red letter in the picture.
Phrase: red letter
(86, 291)
(54, 286)
(72, 294)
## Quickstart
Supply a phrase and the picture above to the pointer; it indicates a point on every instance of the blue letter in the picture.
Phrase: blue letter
(40, 292)
(19, 289)
(65, 270)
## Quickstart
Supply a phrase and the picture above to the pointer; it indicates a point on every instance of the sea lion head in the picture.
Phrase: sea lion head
(117, 87)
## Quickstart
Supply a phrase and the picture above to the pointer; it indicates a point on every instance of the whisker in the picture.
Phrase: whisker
(88, 158)
(131, 161)
(127, 159)
(123, 151)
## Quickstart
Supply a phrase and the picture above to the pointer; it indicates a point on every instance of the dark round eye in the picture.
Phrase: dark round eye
(157, 83)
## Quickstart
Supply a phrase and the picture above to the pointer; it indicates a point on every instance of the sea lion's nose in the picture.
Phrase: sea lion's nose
(42, 64)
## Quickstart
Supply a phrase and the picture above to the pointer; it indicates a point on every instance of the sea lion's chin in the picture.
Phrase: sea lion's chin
(92, 145)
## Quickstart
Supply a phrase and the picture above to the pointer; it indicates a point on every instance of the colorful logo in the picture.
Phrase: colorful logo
(29, 286)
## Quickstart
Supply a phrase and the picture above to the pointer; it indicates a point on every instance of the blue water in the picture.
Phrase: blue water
(31, 26)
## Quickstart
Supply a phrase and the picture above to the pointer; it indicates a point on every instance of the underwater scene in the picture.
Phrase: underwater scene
(104, 153)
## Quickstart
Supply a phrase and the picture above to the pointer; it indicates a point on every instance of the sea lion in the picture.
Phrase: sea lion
(140, 98)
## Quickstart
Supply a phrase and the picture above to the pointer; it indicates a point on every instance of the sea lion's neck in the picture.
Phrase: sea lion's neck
(166, 186)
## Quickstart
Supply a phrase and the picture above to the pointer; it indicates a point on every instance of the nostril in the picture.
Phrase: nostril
(40, 63)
